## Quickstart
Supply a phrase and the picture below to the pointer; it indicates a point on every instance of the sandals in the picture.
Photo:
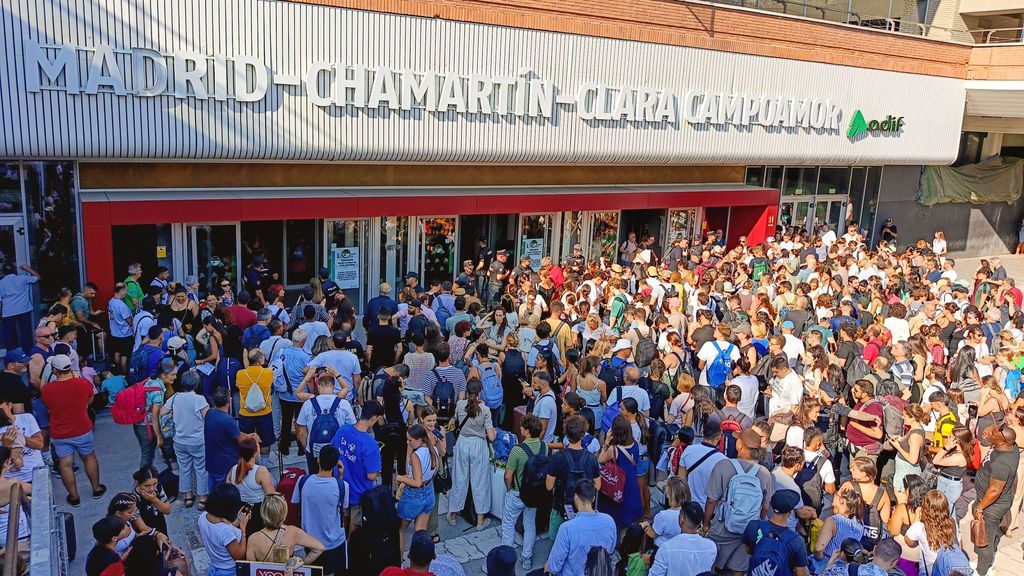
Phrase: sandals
(189, 501)
(202, 505)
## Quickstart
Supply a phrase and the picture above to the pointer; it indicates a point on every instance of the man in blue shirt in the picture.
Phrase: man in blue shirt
(576, 537)
(382, 302)
(153, 345)
(288, 367)
(783, 503)
(255, 335)
(360, 457)
(16, 296)
(222, 435)
(120, 326)
(323, 498)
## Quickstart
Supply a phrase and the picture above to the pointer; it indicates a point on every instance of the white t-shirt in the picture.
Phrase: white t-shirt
(546, 408)
(708, 353)
(787, 392)
(898, 327)
(828, 474)
(637, 393)
(916, 533)
(750, 392)
(31, 457)
(793, 348)
(343, 414)
(680, 406)
(344, 362)
(216, 538)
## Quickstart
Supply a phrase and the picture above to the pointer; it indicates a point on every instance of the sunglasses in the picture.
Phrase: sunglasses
(50, 335)
(225, 285)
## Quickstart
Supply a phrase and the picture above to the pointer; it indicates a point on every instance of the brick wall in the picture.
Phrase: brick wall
(996, 63)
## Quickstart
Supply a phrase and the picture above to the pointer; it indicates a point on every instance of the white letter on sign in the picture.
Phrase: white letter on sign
(37, 65)
(260, 79)
(184, 78)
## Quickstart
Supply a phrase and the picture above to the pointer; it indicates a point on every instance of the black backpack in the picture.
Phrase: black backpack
(547, 351)
(444, 396)
(612, 375)
(533, 490)
(646, 350)
(574, 472)
(658, 392)
(810, 482)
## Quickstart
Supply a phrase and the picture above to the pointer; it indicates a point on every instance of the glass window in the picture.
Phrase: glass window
(394, 252)
(971, 144)
(682, 224)
(53, 225)
(572, 226)
(535, 237)
(857, 177)
(300, 251)
(755, 175)
(800, 181)
(604, 234)
(833, 181)
(874, 182)
(348, 243)
(437, 245)
(773, 177)
(10, 187)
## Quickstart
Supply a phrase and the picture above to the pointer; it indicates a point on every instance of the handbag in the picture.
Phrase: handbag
(613, 478)
(443, 477)
(167, 421)
(978, 535)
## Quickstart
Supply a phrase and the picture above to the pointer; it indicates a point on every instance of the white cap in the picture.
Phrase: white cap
(60, 362)
(622, 344)
(176, 343)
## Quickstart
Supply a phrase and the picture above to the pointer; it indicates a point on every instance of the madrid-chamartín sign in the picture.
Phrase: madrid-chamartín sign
(147, 73)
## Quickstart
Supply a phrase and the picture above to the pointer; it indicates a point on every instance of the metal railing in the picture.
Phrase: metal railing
(49, 545)
(888, 22)
(18, 504)
(998, 35)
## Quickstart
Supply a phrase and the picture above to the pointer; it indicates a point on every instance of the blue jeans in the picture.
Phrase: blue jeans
(513, 507)
(18, 331)
(147, 444)
(951, 488)
(192, 460)
(217, 479)
(211, 571)
(416, 501)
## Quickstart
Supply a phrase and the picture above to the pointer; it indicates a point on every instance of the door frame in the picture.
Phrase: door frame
(556, 234)
(587, 233)
(191, 263)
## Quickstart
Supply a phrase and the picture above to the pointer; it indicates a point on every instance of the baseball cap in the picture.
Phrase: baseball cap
(785, 501)
(501, 561)
(459, 292)
(501, 252)
(788, 325)
(622, 344)
(415, 303)
(60, 362)
(324, 272)
(652, 271)
(616, 268)
(409, 275)
(16, 355)
(421, 551)
(176, 343)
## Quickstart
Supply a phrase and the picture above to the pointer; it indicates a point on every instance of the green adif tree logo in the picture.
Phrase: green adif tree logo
(860, 126)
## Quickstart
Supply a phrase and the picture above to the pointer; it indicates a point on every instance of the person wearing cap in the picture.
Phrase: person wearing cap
(497, 276)
(888, 233)
(794, 347)
(689, 553)
(501, 561)
(782, 504)
(360, 456)
(587, 529)
(732, 555)
(12, 381)
(698, 460)
(68, 399)
(330, 288)
(411, 280)
(421, 554)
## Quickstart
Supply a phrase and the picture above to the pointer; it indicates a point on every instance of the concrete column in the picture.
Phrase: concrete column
(992, 146)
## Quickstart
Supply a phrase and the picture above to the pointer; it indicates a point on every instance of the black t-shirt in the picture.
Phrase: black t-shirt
(149, 512)
(798, 318)
(889, 232)
(383, 339)
(848, 351)
(13, 388)
(558, 466)
(100, 557)
(1001, 466)
(702, 335)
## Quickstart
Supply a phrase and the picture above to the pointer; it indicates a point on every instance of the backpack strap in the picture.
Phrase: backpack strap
(334, 406)
(301, 483)
(316, 406)
(697, 464)
(342, 493)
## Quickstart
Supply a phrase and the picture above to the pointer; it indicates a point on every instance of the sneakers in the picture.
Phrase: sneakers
(96, 495)
(75, 502)
(527, 563)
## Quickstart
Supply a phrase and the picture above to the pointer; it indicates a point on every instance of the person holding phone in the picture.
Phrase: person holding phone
(222, 527)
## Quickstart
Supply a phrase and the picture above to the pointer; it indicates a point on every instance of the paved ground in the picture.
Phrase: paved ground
(118, 454)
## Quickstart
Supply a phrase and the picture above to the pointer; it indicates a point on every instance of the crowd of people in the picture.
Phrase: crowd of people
(806, 405)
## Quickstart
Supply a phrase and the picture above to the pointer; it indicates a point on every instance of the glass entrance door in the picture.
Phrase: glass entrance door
(537, 237)
(13, 241)
(214, 254)
(437, 237)
(794, 213)
(829, 210)
(601, 240)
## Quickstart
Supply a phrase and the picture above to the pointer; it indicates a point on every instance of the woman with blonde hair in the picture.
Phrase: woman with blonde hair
(277, 536)
(934, 531)
(680, 410)
(590, 388)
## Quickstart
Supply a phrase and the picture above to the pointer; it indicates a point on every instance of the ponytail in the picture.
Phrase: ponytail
(473, 389)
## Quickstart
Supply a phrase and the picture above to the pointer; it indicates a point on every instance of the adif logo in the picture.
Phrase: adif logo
(859, 126)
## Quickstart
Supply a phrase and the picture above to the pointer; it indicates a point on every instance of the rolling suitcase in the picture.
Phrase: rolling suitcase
(517, 420)
(99, 360)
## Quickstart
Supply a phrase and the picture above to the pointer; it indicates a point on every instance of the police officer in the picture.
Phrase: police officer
(483, 264)
(497, 275)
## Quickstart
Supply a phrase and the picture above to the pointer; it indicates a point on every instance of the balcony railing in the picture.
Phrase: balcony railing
(998, 36)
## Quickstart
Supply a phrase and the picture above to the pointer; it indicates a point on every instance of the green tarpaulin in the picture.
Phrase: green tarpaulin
(996, 180)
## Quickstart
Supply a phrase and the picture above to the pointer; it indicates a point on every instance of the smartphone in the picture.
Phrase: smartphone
(569, 512)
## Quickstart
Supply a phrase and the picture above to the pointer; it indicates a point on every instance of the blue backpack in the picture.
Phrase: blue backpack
(503, 443)
(771, 555)
(324, 427)
(951, 560)
(493, 393)
(514, 366)
(138, 365)
(611, 411)
(721, 366)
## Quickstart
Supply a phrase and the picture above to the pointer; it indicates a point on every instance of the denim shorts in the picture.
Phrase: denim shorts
(42, 414)
(416, 501)
(643, 465)
(261, 425)
(65, 447)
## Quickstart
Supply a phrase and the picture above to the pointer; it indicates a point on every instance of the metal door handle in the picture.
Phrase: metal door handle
(20, 230)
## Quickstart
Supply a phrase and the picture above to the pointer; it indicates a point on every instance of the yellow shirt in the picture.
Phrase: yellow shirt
(943, 429)
(564, 337)
(254, 375)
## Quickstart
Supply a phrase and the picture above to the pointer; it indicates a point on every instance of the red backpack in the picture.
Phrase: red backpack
(975, 462)
(130, 405)
(727, 443)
